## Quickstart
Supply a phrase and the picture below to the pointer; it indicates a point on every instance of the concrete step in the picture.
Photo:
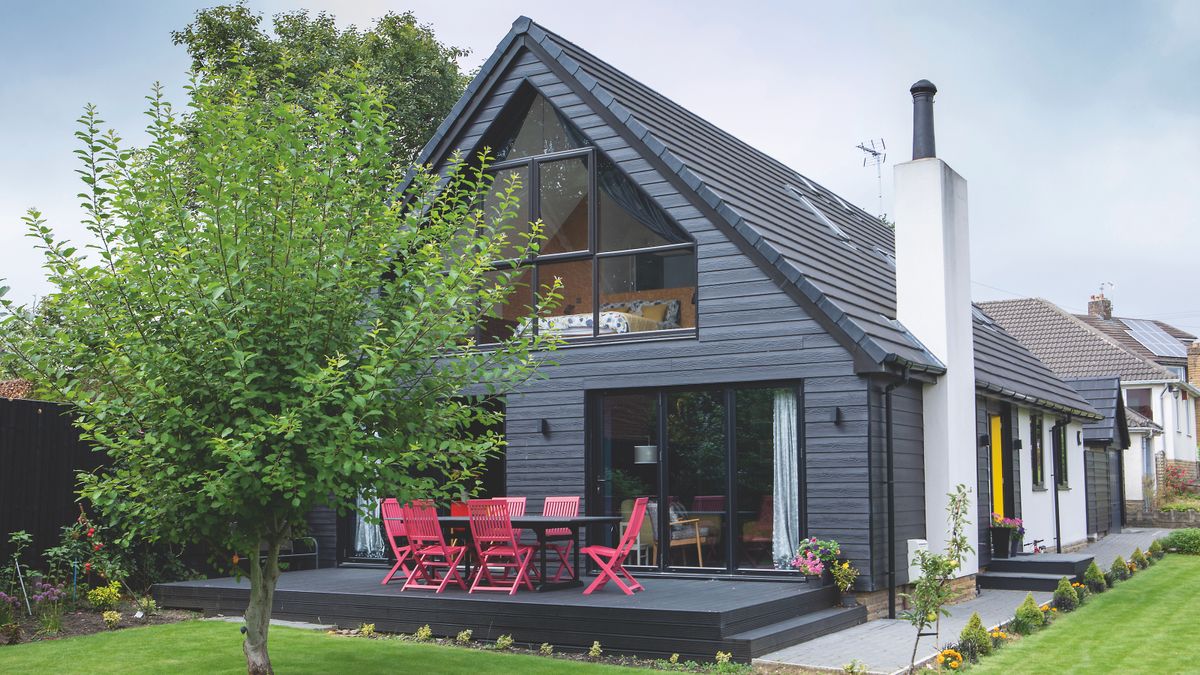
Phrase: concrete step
(1019, 581)
(1062, 564)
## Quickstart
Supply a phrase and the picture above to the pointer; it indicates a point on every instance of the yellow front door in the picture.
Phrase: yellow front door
(997, 465)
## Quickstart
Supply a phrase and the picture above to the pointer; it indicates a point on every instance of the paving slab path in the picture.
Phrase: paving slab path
(885, 645)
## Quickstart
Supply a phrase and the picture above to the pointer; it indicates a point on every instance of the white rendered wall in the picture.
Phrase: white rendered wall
(933, 301)
(1133, 460)
(1037, 505)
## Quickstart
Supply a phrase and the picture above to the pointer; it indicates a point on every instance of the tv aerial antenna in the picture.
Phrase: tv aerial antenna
(875, 154)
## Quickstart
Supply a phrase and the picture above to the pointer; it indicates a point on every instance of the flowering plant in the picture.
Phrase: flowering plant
(808, 563)
(950, 658)
(10, 608)
(844, 575)
(48, 601)
(826, 551)
(1008, 523)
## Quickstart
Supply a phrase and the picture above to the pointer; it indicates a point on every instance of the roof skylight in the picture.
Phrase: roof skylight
(837, 231)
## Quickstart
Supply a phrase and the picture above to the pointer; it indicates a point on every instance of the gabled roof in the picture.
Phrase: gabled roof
(15, 388)
(1069, 346)
(1104, 393)
(837, 258)
(1117, 330)
(1006, 368)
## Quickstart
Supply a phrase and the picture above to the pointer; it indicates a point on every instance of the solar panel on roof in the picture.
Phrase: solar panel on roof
(1154, 338)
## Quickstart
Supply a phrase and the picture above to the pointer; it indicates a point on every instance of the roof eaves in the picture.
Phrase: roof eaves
(1004, 392)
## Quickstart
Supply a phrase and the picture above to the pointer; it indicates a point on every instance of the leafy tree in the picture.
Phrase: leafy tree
(932, 591)
(418, 76)
(264, 325)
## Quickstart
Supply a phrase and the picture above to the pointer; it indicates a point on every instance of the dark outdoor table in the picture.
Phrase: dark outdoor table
(539, 525)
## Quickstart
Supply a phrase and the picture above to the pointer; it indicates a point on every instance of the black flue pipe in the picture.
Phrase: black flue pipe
(923, 143)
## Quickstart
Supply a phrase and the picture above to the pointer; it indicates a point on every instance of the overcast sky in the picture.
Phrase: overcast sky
(1076, 124)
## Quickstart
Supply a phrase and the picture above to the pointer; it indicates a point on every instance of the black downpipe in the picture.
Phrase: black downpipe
(889, 446)
(1059, 452)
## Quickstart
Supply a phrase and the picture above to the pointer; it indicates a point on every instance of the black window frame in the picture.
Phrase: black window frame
(531, 164)
(1060, 448)
(595, 416)
(1037, 452)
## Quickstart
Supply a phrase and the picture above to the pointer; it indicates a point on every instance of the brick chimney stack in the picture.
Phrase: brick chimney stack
(1100, 306)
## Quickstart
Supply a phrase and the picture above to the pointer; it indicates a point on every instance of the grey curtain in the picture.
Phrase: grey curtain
(786, 530)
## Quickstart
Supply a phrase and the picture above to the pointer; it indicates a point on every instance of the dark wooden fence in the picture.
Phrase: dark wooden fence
(40, 453)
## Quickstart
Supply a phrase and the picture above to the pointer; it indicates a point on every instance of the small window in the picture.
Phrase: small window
(1037, 454)
(1139, 401)
(1061, 453)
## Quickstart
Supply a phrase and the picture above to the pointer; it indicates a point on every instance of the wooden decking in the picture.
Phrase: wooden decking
(692, 617)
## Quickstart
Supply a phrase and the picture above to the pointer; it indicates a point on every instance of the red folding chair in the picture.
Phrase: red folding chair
(612, 560)
(393, 527)
(516, 507)
(430, 551)
(562, 507)
(496, 546)
(458, 509)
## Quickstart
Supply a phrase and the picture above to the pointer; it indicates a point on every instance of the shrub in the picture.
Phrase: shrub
(673, 660)
(464, 637)
(855, 667)
(724, 658)
(973, 641)
(105, 598)
(504, 642)
(1119, 569)
(1186, 540)
(1138, 558)
(546, 649)
(10, 633)
(595, 651)
(1094, 578)
(147, 606)
(1156, 550)
(423, 634)
(1065, 596)
(112, 619)
(366, 629)
(1029, 616)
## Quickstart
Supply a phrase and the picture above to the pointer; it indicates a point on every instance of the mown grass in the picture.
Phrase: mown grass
(216, 647)
(1144, 625)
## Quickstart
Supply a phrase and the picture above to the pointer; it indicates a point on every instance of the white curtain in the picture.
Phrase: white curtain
(368, 540)
(786, 530)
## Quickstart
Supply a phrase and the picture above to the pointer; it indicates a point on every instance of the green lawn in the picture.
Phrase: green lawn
(1145, 625)
(216, 647)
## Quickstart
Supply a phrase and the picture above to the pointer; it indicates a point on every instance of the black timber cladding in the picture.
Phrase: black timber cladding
(908, 471)
(749, 330)
(1099, 497)
(1104, 393)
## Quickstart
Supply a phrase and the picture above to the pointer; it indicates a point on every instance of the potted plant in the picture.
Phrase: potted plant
(844, 575)
(814, 557)
(1005, 532)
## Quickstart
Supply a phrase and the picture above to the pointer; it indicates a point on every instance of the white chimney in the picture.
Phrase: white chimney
(933, 300)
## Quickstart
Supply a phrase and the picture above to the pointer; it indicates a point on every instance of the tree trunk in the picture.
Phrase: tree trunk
(263, 575)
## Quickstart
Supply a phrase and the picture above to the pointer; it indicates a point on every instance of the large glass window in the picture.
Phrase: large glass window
(721, 467)
(1061, 454)
(626, 266)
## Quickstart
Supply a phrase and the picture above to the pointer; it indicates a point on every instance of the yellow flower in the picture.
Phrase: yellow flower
(954, 665)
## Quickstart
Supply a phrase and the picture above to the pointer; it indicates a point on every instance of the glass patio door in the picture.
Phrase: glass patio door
(721, 469)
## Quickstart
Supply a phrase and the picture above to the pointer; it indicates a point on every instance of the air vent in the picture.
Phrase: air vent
(833, 228)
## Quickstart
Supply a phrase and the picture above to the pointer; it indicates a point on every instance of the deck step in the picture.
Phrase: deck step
(1062, 564)
(1019, 581)
(795, 630)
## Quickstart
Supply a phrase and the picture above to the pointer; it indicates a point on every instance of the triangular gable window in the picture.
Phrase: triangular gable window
(626, 266)
(541, 131)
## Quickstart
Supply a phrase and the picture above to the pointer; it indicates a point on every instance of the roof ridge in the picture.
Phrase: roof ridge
(818, 187)
(1091, 330)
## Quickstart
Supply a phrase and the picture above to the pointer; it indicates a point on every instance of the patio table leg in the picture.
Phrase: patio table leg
(575, 553)
(541, 534)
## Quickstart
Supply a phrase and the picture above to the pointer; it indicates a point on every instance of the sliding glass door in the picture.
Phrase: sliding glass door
(721, 467)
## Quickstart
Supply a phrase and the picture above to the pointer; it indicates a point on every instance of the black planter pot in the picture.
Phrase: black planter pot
(1001, 542)
(1017, 544)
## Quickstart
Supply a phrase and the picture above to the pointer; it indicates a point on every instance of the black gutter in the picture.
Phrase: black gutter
(889, 446)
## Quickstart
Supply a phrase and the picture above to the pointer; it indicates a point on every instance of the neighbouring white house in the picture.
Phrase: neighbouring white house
(1149, 357)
